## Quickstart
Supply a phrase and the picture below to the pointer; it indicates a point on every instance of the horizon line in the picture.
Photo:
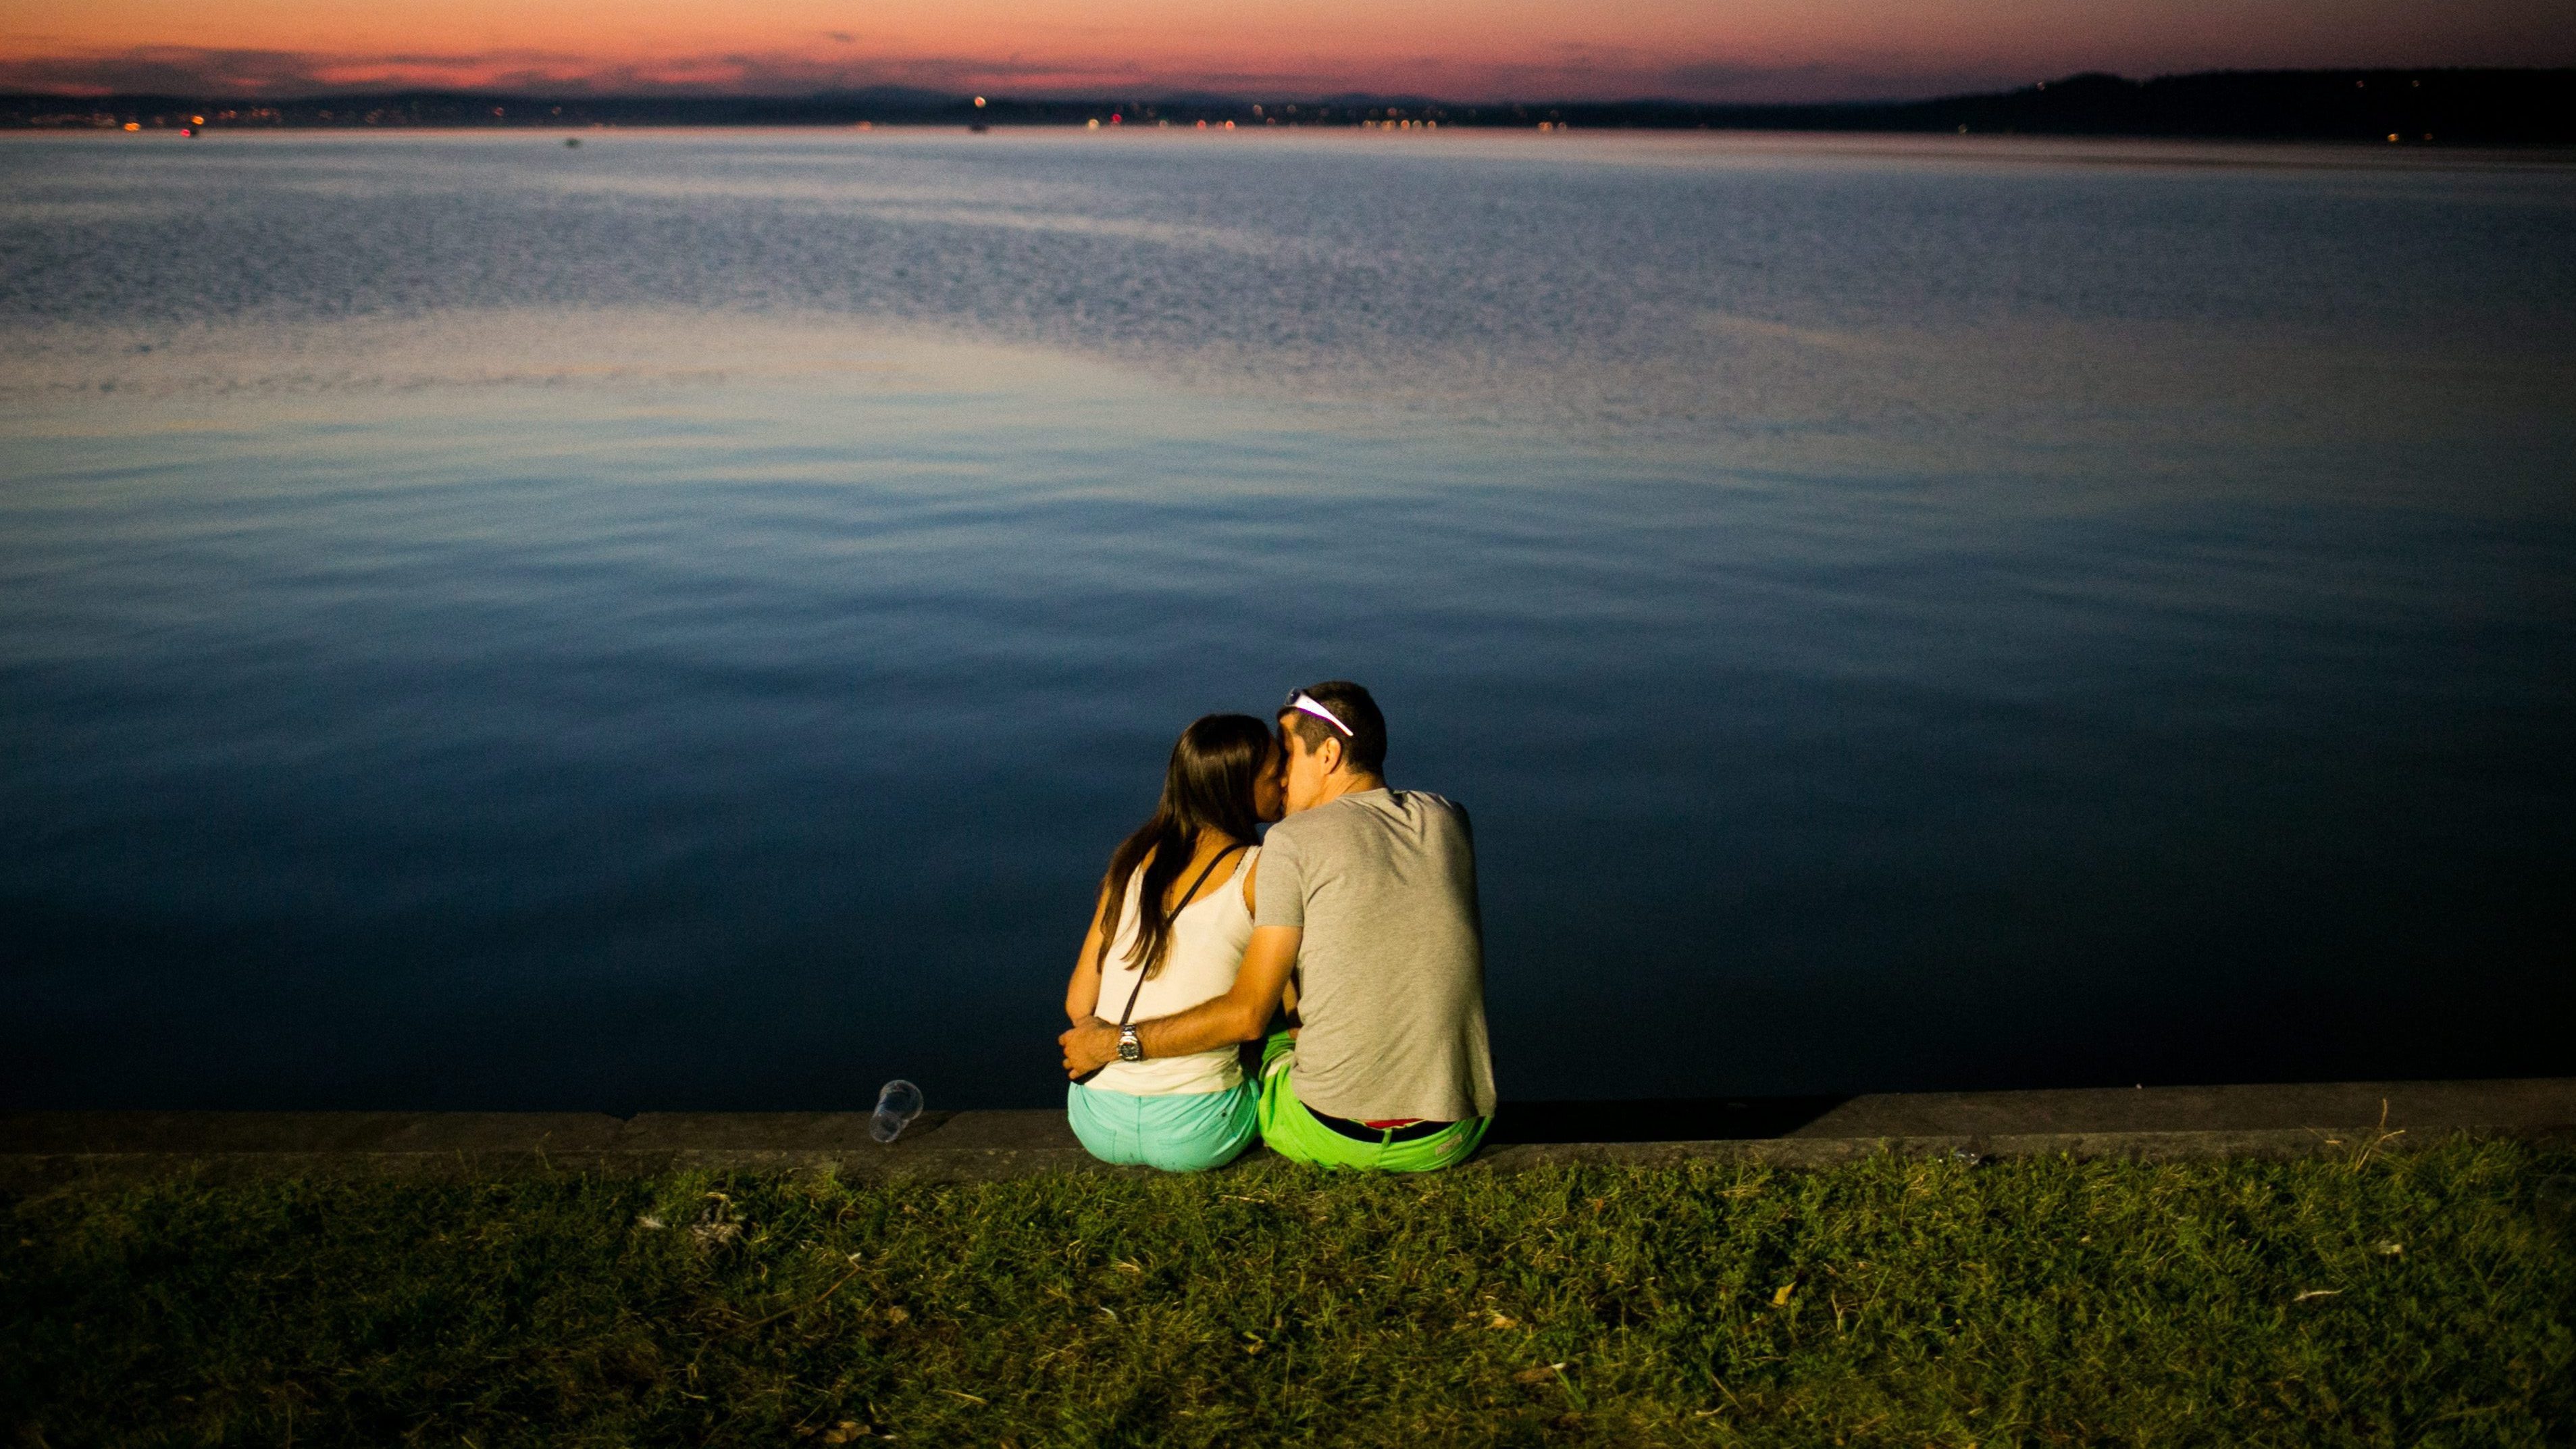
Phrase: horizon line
(1213, 96)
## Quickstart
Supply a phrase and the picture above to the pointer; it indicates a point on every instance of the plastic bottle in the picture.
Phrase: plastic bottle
(898, 1102)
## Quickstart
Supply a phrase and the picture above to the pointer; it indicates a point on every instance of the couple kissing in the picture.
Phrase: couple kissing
(1346, 941)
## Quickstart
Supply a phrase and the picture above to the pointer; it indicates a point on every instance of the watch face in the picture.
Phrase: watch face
(1130, 1049)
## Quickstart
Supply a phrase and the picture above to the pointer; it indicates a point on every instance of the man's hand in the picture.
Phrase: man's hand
(1089, 1047)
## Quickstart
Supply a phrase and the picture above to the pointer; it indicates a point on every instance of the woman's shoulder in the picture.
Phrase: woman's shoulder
(1245, 854)
(1244, 878)
(1134, 883)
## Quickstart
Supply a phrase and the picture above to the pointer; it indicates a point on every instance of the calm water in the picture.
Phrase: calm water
(680, 622)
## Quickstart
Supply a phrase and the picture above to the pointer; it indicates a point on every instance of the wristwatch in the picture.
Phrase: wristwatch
(1129, 1049)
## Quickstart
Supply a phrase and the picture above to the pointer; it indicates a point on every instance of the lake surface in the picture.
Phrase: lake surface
(680, 622)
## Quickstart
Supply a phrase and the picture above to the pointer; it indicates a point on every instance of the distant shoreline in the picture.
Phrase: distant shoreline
(2450, 107)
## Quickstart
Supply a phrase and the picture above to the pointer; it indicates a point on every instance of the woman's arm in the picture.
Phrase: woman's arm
(1082, 993)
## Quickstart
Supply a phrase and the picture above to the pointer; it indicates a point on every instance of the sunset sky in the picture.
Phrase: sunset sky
(1451, 49)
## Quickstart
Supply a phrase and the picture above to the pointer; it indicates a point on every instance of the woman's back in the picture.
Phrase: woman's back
(1206, 948)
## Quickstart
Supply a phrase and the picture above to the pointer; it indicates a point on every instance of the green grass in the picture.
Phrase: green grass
(2419, 1298)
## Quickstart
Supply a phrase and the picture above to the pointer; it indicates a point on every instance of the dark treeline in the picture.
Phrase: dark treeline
(2465, 107)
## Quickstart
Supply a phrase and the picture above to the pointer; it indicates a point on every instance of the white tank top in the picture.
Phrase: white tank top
(1205, 950)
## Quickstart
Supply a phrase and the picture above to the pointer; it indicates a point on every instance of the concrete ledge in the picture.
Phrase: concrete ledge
(2161, 1123)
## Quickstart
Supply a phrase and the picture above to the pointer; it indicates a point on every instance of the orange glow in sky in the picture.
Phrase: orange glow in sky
(1451, 49)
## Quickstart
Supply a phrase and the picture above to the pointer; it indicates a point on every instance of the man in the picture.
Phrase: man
(1369, 896)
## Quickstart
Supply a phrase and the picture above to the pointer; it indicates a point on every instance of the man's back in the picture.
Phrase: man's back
(1391, 967)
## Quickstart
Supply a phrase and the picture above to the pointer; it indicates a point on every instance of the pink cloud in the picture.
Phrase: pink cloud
(1575, 72)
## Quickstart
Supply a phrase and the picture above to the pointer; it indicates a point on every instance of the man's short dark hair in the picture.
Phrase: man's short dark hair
(1364, 748)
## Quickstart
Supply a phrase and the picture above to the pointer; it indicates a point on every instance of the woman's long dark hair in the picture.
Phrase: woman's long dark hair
(1208, 784)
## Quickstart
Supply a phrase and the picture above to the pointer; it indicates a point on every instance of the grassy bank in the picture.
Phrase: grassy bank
(2403, 1298)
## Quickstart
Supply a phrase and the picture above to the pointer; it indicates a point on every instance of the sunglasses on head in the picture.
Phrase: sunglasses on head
(1299, 700)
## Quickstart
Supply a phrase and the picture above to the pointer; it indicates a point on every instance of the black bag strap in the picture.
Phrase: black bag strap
(1139, 967)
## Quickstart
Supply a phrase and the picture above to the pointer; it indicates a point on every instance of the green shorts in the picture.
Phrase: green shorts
(1293, 1133)
(1177, 1132)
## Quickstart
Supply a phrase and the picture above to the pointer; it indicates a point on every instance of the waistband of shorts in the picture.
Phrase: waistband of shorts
(1362, 1132)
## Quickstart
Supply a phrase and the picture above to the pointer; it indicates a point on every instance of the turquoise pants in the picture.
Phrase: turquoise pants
(1184, 1132)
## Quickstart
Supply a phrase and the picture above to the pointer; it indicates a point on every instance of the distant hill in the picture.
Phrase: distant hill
(2459, 106)
(2456, 107)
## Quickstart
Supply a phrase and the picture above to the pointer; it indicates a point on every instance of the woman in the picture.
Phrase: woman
(1174, 915)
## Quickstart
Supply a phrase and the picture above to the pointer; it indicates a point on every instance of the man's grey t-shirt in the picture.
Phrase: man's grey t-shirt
(1391, 971)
